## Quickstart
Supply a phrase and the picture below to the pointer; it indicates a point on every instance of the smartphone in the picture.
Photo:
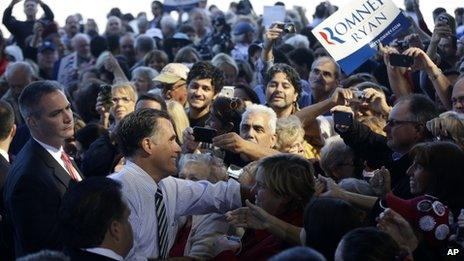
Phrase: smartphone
(105, 94)
(227, 91)
(204, 134)
(342, 118)
(401, 60)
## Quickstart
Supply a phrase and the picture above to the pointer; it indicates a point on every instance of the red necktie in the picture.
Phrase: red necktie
(69, 167)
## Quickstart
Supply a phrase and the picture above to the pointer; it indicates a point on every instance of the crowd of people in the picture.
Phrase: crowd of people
(214, 137)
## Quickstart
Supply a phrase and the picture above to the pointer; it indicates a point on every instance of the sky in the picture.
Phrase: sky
(98, 9)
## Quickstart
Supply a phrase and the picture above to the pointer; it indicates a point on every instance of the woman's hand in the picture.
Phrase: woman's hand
(250, 216)
(398, 228)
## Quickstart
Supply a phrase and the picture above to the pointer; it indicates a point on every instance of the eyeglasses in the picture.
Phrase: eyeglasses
(393, 122)
(459, 99)
(122, 99)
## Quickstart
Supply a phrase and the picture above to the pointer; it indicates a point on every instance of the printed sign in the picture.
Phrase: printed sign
(352, 34)
(272, 14)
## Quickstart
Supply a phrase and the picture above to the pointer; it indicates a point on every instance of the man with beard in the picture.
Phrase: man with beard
(323, 78)
(282, 89)
(204, 83)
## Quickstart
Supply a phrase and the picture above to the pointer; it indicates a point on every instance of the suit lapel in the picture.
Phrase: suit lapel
(59, 172)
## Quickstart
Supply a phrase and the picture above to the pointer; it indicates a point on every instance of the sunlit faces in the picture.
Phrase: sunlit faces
(123, 103)
(255, 128)
(54, 122)
(401, 132)
(280, 92)
(200, 94)
(165, 151)
(419, 178)
(323, 76)
(264, 197)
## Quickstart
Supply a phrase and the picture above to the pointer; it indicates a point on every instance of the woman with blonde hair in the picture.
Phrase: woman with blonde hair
(448, 126)
(290, 138)
(179, 118)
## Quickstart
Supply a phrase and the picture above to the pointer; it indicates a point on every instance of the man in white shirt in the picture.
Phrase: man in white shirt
(42, 171)
(148, 141)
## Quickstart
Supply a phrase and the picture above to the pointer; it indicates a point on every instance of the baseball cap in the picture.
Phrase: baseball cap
(243, 27)
(426, 213)
(47, 45)
(172, 73)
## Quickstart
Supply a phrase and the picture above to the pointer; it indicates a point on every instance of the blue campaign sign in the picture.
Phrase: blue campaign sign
(185, 5)
(352, 34)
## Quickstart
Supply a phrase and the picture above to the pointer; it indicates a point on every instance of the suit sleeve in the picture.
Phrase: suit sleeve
(367, 144)
(34, 207)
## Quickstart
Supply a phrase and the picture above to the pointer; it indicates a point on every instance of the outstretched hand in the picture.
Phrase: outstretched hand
(250, 216)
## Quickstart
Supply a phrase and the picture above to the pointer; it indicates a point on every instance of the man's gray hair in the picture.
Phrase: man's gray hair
(145, 71)
(18, 66)
(334, 153)
(168, 21)
(144, 43)
(80, 36)
(261, 109)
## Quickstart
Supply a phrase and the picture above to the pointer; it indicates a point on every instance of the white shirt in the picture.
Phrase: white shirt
(56, 154)
(104, 252)
(5, 155)
(181, 198)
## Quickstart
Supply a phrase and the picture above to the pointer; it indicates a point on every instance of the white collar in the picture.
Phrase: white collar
(5, 155)
(104, 252)
(137, 170)
(54, 152)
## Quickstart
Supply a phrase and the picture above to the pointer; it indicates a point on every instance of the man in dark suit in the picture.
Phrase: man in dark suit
(7, 132)
(94, 221)
(42, 172)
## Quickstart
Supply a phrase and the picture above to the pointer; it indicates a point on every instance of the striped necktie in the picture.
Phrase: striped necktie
(162, 224)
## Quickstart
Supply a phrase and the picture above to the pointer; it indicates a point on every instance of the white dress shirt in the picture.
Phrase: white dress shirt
(181, 198)
(104, 252)
(5, 155)
(56, 154)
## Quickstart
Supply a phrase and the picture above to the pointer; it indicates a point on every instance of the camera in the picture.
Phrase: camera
(443, 19)
(288, 28)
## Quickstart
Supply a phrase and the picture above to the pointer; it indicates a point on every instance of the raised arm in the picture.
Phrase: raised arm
(440, 82)
(47, 11)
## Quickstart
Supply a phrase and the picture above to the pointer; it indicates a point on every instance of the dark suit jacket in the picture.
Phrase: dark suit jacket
(33, 192)
(6, 241)
(373, 148)
(81, 255)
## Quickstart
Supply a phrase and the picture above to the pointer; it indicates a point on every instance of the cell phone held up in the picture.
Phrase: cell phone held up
(342, 118)
(202, 134)
(401, 60)
(105, 95)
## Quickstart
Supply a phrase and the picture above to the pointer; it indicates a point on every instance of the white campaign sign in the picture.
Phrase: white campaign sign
(351, 34)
